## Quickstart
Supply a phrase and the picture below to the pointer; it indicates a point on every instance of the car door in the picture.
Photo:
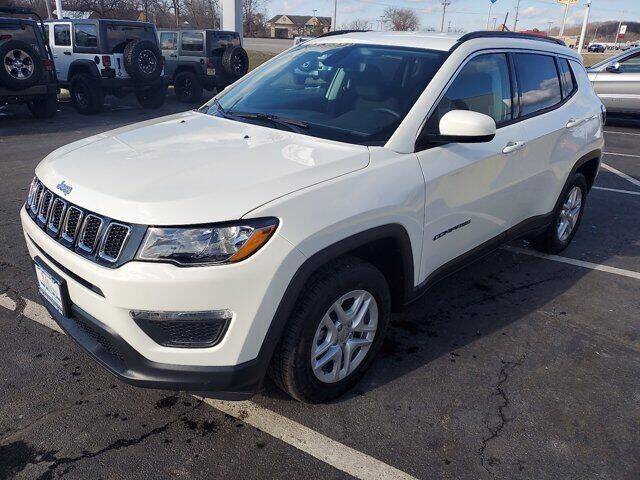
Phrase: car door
(619, 88)
(471, 187)
(169, 47)
(61, 49)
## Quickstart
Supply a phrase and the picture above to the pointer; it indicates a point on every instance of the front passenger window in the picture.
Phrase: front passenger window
(631, 65)
(484, 86)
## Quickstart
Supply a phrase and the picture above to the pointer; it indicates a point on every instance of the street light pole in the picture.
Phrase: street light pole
(564, 19)
(489, 17)
(515, 22)
(618, 31)
(584, 25)
(335, 15)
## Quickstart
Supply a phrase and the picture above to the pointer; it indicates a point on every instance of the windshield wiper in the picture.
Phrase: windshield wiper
(291, 123)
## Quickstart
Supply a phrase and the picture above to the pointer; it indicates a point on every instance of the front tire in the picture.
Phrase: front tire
(44, 107)
(86, 94)
(152, 97)
(188, 88)
(334, 332)
(566, 218)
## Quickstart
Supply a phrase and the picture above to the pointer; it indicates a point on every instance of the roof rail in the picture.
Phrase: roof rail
(340, 32)
(497, 34)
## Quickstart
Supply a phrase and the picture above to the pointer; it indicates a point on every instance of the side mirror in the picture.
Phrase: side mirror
(614, 68)
(464, 126)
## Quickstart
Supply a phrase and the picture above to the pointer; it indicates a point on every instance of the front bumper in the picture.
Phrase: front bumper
(103, 298)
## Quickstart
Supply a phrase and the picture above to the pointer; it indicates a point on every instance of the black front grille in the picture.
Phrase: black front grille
(114, 239)
(89, 234)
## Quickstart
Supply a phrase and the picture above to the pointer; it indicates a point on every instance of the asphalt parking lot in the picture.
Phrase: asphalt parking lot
(518, 367)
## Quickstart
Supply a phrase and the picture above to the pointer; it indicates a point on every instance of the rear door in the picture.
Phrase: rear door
(620, 90)
(61, 48)
(471, 188)
(169, 47)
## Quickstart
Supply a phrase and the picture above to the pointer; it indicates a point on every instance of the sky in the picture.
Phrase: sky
(467, 15)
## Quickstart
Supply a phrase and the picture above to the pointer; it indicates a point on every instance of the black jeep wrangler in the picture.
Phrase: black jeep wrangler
(98, 57)
(27, 74)
(202, 59)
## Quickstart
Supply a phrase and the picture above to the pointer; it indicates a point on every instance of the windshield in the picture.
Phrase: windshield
(119, 35)
(346, 92)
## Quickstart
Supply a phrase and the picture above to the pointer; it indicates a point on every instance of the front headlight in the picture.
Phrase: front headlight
(206, 245)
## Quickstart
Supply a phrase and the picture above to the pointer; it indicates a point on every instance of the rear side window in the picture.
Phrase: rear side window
(566, 75)
(86, 36)
(168, 41)
(484, 86)
(539, 82)
(62, 35)
(192, 42)
(17, 31)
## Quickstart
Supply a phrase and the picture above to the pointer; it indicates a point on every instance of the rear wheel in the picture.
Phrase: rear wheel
(567, 217)
(86, 94)
(151, 97)
(334, 332)
(44, 107)
(188, 88)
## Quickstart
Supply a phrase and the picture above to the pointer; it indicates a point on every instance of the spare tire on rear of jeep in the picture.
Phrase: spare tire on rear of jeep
(143, 60)
(20, 65)
(235, 61)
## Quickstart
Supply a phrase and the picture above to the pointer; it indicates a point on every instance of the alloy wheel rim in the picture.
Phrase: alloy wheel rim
(147, 61)
(344, 336)
(19, 64)
(569, 214)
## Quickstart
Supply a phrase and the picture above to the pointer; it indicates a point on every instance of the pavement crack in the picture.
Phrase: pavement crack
(494, 432)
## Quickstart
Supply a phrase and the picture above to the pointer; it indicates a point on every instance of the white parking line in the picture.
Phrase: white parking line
(331, 452)
(323, 448)
(622, 154)
(622, 133)
(628, 178)
(578, 263)
(617, 190)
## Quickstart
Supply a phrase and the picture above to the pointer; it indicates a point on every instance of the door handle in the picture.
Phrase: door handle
(67, 53)
(513, 147)
(573, 123)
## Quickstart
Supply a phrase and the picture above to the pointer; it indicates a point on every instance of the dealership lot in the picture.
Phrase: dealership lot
(518, 367)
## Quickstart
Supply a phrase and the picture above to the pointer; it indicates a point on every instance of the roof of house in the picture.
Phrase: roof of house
(300, 20)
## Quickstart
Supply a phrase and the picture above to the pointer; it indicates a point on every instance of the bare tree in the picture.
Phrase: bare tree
(359, 24)
(254, 17)
(401, 18)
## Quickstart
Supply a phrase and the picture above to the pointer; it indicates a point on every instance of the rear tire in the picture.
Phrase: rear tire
(44, 107)
(86, 94)
(297, 366)
(567, 216)
(188, 88)
(151, 97)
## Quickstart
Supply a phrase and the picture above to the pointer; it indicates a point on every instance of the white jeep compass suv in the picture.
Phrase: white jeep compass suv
(276, 228)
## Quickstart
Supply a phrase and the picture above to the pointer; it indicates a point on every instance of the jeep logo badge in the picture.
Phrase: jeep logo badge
(64, 188)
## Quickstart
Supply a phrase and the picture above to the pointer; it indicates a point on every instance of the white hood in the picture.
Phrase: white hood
(192, 168)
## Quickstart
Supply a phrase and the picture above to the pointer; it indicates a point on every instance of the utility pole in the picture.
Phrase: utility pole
(47, 4)
(489, 17)
(515, 22)
(584, 25)
(335, 15)
(564, 19)
(445, 4)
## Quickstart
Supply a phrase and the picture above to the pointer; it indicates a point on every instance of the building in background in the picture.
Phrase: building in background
(289, 26)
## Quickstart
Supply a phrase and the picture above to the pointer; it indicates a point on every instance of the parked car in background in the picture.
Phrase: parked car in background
(301, 39)
(94, 58)
(198, 60)
(277, 227)
(596, 48)
(616, 80)
(26, 64)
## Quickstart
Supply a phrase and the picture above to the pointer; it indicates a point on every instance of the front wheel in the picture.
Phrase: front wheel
(86, 94)
(334, 332)
(152, 97)
(188, 88)
(566, 218)
(44, 107)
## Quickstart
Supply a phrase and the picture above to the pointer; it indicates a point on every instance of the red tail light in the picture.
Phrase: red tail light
(209, 62)
(106, 61)
(47, 64)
